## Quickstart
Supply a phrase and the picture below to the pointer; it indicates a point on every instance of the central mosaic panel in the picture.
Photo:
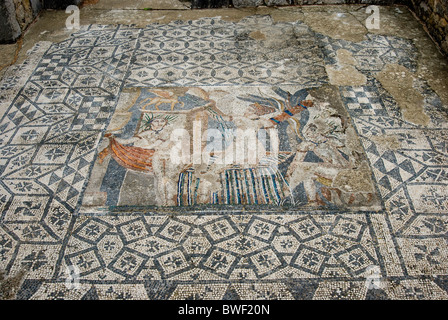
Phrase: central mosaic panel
(220, 147)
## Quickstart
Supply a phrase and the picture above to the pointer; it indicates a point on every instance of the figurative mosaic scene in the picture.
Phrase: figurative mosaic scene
(158, 151)
(255, 146)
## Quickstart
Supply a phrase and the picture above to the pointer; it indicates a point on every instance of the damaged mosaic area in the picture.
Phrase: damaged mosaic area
(360, 189)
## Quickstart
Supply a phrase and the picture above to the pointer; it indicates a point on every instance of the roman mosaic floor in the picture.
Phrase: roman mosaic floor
(347, 200)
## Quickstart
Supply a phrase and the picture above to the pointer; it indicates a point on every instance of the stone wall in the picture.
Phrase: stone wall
(202, 4)
(25, 13)
(9, 27)
(434, 14)
(17, 15)
(270, 3)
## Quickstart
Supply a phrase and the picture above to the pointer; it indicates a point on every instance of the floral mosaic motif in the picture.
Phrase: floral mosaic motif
(435, 199)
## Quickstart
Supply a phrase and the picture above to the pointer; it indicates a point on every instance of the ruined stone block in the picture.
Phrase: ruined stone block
(270, 3)
(247, 3)
(9, 27)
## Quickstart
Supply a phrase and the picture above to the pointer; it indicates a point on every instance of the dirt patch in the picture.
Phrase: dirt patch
(388, 142)
(10, 285)
(398, 81)
(359, 180)
(433, 67)
(257, 35)
(338, 25)
(344, 73)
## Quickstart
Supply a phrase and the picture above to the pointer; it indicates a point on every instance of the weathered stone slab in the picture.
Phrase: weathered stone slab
(202, 4)
(435, 16)
(247, 3)
(9, 27)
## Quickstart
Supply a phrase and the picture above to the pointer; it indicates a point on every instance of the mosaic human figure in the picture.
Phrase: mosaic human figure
(148, 151)
(149, 148)
(318, 157)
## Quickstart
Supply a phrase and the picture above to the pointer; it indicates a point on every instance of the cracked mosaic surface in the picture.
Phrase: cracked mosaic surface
(62, 101)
